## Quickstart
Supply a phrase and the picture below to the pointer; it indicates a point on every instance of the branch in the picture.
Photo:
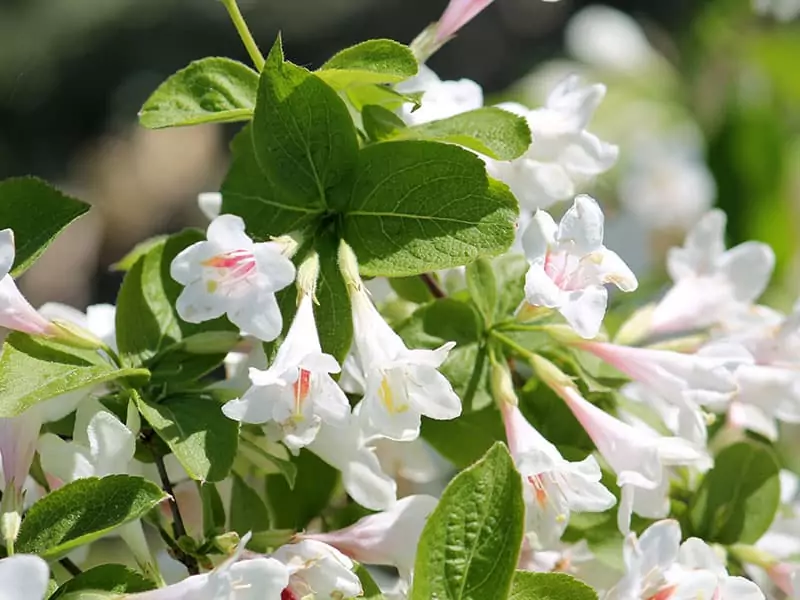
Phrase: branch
(70, 566)
(178, 526)
(432, 285)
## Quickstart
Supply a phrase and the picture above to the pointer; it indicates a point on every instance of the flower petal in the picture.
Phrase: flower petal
(7, 252)
(582, 226)
(748, 267)
(539, 235)
(258, 315)
(585, 309)
(24, 577)
(227, 232)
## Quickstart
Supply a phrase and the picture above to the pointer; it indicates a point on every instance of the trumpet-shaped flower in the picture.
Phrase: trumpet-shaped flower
(317, 570)
(101, 445)
(386, 538)
(569, 266)
(711, 283)
(659, 567)
(401, 384)
(23, 577)
(564, 155)
(637, 455)
(552, 487)
(99, 319)
(254, 579)
(230, 274)
(15, 311)
(457, 14)
(347, 449)
(440, 99)
(296, 392)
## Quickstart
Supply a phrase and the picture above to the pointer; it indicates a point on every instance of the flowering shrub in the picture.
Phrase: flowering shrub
(257, 418)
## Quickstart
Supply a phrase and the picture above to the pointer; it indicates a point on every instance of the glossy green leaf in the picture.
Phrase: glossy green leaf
(373, 61)
(386, 97)
(482, 286)
(202, 438)
(35, 369)
(37, 212)
(209, 90)
(107, 579)
(414, 207)
(303, 136)
(549, 586)
(466, 439)
(471, 542)
(491, 131)
(213, 509)
(268, 462)
(83, 511)
(368, 585)
(738, 498)
(268, 210)
(380, 123)
(126, 263)
(149, 330)
(332, 312)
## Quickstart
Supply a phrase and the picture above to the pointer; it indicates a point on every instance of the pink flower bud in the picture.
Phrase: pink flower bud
(457, 14)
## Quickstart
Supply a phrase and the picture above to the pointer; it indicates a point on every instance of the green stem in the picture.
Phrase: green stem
(244, 34)
(511, 344)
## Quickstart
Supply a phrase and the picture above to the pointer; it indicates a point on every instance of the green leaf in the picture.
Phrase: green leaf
(37, 212)
(738, 498)
(549, 586)
(471, 542)
(267, 209)
(415, 207)
(83, 511)
(265, 542)
(34, 369)
(149, 330)
(412, 289)
(313, 488)
(362, 96)
(482, 286)
(113, 579)
(373, 61)
(333, 311)
(303, 136)
(126, 263)
(248, 511)
(491, 131)
(213, 509)
(209, 90)
(509, 271)
(268, 462)
(368, 585)
(201, 437)
(466, 439)
(380, 123)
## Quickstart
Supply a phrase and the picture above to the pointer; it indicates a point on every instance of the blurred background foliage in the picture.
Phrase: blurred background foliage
(703, 99)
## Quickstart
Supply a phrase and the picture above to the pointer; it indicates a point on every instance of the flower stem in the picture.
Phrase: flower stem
(432, 285)
(244, 34)
(70, 566)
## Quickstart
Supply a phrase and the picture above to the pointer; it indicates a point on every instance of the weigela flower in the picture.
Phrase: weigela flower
(659, 567)
(348, 450)
(386, 538)
(253, 579)
(564, 155)
(711, 283)
(569, 266)
(317, 570)
(552, 486)
(401, 384)
(99, 319)
(15, 311)
(23, 576)
(676, 385)
(440, 99)
(638, 456)
(457, 14)
(230, 274)
(296, 392)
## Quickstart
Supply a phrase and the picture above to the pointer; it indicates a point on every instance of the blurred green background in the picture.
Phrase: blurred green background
(703, 100)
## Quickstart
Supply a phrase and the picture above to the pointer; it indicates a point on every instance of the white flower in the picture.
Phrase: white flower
(347, 449)
(23, 577)
(401, 384)
(231, 274)
(660, 568)
(15, 311)
(101, 445)
(782, 10)
(296, 392)
(563, 155)
(553, 487)
(210, 204)
(666, 182)
(440, 99)
(711, 283)
(317, 570)
(457, 14)
(638, 456)
(254, 579)
(386, 538)
(569, 265)
(607, 38)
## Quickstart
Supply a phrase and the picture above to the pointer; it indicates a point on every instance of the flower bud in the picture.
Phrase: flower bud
(307, 276)
(502, 384)
(550, 374)
(9, 526)
(348, 265)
